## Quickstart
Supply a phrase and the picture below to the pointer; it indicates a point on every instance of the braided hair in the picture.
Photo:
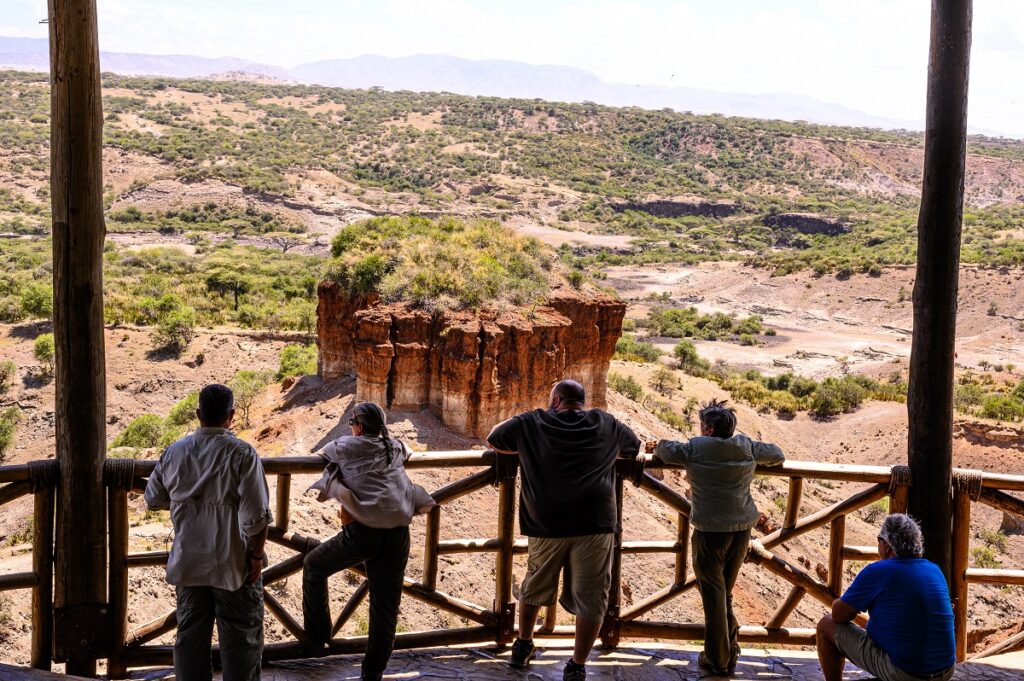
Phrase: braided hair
(374, 422)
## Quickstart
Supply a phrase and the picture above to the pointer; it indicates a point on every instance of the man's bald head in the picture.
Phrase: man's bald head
(567, 395)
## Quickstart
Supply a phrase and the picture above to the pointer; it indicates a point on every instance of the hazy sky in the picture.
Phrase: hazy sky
(869, 55)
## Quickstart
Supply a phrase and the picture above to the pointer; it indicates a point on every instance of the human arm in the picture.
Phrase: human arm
(766, 453)
(254, 512)
(504, 437)
(157, 496)
(843, 611)
(672, 451)
(629, 443)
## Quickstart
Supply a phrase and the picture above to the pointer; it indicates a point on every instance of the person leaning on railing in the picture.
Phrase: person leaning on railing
(910, 633)
(720, 465)
(365, 471)
(214, 486)
(568, 512)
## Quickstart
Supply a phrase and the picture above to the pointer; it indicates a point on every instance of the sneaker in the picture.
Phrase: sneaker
(573, 671)
(522, 653)
(706, 665)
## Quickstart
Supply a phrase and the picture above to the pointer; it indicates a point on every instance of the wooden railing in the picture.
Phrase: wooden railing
(495, 622)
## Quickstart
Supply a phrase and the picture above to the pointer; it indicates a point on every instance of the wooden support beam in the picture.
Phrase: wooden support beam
(683, 542)
(149, 631)
(930, 393)
(148, 559)
(78, 230)
(695, 632)
(860, 553)
(284, 489)
(42, 566)
(117, 510)
(18, 580)
(796, 491)
(13, 491)
(351, 606)
(610, 629)
(1002, 501)
(960, 551)
(825, 515)
(431, 547)
(837, 537)
(980, 576)
(503, 558)
(465, 486)
(284, 617)
(786, 608)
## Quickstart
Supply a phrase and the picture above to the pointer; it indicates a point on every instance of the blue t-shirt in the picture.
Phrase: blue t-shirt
(911, 617)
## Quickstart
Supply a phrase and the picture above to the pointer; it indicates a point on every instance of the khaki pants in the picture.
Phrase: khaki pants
(239, 617)
(856, 646)
(587, 564)
(717, 558)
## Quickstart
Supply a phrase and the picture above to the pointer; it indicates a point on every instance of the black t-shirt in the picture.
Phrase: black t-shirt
(568, 465)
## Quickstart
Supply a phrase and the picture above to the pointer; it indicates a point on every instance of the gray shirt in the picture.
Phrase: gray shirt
(375, 492)
(720, 472)
(214, 486)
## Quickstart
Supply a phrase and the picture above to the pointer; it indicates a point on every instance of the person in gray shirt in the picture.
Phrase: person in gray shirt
(365, 472)
(720, 466)
(214, 486)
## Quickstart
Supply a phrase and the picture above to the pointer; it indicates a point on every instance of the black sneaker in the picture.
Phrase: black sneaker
(522, 653)
(573, 671)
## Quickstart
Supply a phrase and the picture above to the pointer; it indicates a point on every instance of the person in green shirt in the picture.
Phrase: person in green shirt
(720, 465)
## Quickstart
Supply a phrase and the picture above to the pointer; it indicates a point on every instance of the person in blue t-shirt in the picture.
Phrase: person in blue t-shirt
(910, 631)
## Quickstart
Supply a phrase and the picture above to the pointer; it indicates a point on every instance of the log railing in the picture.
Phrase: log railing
(494, 622)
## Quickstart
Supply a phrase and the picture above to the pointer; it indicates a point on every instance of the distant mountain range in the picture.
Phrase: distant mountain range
(443, 73)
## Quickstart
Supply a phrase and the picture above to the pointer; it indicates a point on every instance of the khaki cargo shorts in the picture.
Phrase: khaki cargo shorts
(587, 564)
(855, 644)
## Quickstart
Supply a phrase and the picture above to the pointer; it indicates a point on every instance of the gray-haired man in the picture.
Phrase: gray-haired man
(910, 634)
(214, 486)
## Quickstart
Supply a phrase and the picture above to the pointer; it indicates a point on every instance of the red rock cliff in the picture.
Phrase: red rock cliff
(470, 369)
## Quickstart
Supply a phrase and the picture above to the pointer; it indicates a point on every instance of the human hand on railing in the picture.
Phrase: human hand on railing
(649, 446)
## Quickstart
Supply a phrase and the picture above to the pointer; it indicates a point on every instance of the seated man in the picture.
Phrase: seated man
(910, 633)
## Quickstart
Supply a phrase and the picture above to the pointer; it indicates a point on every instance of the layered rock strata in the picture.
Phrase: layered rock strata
(472, 370)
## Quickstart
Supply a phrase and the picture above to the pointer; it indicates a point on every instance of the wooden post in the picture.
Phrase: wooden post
(284, 489)
(930, 395)
(837, 539)
(958, 574)
(683, 538)
(42, 566)
(430, 548)
(503, 605)
(76, 190)
(796, 491)
(117, 508)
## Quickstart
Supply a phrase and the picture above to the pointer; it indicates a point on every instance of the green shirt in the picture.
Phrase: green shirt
(720, 472)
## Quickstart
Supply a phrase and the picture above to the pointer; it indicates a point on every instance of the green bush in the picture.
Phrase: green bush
(994, 539)
(143, 432)
(747, 339)
(246, 386)
(37, 300)
(984, 557)
(783, 402)
(43, 349)
(8, 423)
(835, 396)
(967, 395)
(629, 349)
(297, 360)
(1002, 407)
(625, 385)
(8, 370)
(11, 309)
(184, 411)
(175, 330)
(688, 359)
(444, 263)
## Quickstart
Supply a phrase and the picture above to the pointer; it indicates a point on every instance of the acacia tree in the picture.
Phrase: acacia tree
(286, 240)
(223, 280)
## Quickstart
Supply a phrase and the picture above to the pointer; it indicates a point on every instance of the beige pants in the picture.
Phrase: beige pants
(855, 644)
(587, 564)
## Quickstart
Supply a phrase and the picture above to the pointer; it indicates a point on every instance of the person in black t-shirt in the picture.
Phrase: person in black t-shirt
(567, 509)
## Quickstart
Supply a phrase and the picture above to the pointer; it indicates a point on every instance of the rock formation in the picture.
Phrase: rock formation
(664, 208)
(807, 223)
(471, 369)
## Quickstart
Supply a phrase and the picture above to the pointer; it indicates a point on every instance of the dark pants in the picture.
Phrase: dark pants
(239, 617)
(384, 553)
(717, 558)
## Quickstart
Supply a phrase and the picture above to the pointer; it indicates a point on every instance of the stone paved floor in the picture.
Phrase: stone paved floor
(653, 662)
